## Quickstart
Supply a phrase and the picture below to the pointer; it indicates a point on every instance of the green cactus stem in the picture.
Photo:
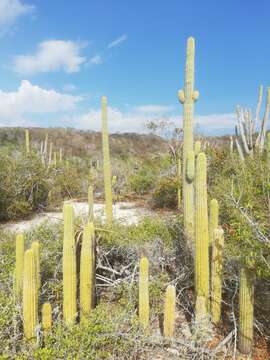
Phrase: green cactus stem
(90, 203)
(213, 219)
(69, 267)
(19, 265)
(197, 148)
(246, 310)
(27, 141)
(187, 98)
(29, 296)
(268, 148)
(36, 249)
(46, 313)
(201, 230)
(169, 312)
(106, 161)
(144, 293)
(178, 174)
(87, 272)
(216, 274)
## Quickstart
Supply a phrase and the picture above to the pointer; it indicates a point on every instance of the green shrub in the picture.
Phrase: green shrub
(165, 194)
(142, 182)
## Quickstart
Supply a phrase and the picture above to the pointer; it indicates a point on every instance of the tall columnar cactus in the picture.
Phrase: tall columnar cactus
(178, 174)
(87, 272)
(201, 230)
(54, 158)
(106, 161)
(29, 295)
(19, 265)
(246, 309)
(187, 98)
(27, 141)
(36, 250)
(213, 219)
(46, 313)
(216, 274)
(69, 267)
(169, 311)
(90, 203)
(144, 293)
(60, 155)
(197, 148)
(268, 148)
(50, 153)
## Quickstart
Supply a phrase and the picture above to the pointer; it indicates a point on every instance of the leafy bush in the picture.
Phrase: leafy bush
(165, 194)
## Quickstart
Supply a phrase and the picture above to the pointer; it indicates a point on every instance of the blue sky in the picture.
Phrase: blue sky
(59, 57)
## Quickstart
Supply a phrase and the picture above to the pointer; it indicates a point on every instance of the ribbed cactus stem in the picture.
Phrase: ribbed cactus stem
(268, 149)
(144, 293)
(60, 155)
(90, 203)
(69, 267)
(29, 296)
(246, 309)
(54, 158)
(106, 161)
(201, 230)
(216, 274)
(19, 265)
(87, 272)
(187, 98)
(197, 148)
(178, 174)
(27, 141)
(36, 250)
(46, 313)
(213, 219)
(169, 312)
(50, 153)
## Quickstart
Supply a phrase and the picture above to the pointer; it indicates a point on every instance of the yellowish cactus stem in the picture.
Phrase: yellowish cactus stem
(36, 250)
(69, 268)
(213, 219)
(27, 141)
(202, 231)
(90, 203)
(106, 161)
(246, 311)
(29, 296)
(169, 312)
(178, 174)
(46, 313)
(197, 148)
(144, 293)
(87, 272)
(216, 274)
(19, 265)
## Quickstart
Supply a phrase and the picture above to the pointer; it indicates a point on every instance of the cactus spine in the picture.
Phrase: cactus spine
(201, 230)
(216, 274)
(46, 312)
(90, 204)
(246, 305)
(187, 98)
(169, 311)
(106, 161)
(27, 141)
(36, 250)
(87, 272)
(69, 267)
(213, 219)
(144, 293)
(19, 265)
(29, 295)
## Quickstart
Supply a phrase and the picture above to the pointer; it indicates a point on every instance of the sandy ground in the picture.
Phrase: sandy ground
(126, 212)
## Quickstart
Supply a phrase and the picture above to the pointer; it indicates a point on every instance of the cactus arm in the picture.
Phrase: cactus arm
(106, 161)
(169, 312)
(69, 267)
(19, 265)
(144, 293)
(213, 219)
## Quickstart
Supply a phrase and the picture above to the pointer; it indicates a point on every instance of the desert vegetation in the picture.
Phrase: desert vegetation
(191, 281)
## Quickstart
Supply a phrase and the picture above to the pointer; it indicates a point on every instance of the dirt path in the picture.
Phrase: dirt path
(126, 212)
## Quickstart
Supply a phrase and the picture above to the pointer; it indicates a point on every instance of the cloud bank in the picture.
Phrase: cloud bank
(10, 11)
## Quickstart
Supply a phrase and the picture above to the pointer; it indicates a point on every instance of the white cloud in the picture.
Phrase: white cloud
(51, 55)
(32, 99)
(95, 60)
(118, 41)
(10, 11)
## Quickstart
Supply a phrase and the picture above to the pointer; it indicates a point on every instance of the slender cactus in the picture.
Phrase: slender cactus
(178, 174)
(54, 158)
(187, 98)
(50, 153)
(19, 265)
(144, 293)
(106, 161)
(27, 141)
(29, 296)
(69, 267)
(169, 312)
(197, 148)
(90, 204)
(268, 149)
(46, 313)
(246, 309)
(60, 154)
(213, 219)
(36, 250)
(87, 272)
(201, 230)
(216, 274)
